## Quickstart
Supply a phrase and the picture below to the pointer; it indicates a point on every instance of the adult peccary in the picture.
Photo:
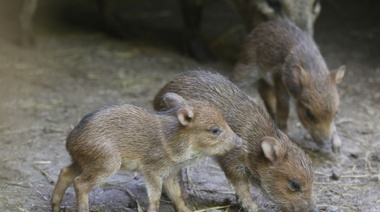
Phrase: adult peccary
(107, 10)
(267, 157)
(252, 12)
(157, 144)
(284, 60)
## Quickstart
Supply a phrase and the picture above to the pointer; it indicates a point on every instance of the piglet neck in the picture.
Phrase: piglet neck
(174, 143)
(258, 166)
(261, 165)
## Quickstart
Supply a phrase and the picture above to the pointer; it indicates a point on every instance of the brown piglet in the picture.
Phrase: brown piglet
(267, 157)
(286, 62)
(157, 144)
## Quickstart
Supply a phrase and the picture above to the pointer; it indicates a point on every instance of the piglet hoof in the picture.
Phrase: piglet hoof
(336, 143)
(252, 207)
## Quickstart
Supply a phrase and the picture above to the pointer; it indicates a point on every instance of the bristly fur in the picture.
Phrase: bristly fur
(280, 51)
(253, 124)
(157, 144)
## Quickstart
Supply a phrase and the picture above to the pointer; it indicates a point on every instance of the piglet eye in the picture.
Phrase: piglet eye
(294, 186)
(310, 115)
(215, 131)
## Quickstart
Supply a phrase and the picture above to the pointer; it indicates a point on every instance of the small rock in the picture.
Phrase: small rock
(354, 155)
(335, 175)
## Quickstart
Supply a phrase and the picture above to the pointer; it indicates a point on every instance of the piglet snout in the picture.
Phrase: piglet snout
(336, 143)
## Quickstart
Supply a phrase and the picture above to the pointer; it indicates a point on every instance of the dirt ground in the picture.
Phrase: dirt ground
(76, 68)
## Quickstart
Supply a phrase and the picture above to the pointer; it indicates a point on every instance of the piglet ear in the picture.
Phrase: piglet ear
(185, 116)
(265, 8)
(300, 76)
(173, 100)
(338, 74)
(296, 79)
(272, 149)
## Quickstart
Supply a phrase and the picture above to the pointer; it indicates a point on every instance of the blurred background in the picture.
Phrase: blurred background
(76, 65)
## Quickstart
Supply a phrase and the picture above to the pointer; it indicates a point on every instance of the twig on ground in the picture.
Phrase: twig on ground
(44, 173)
(214, 166)
(216, 191)
(42, 162)
(214, 208)
(19, 131)
(367, 161)
(344, 121)
(129, 192)
(190, 181)
(18, 184)
(356, 176)
(165, 201)
(139, 209)
(339, 206)
(339, 184)
(320, 173)
(22, 209)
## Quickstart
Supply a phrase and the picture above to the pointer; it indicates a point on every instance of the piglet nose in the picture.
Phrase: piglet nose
(239, 141)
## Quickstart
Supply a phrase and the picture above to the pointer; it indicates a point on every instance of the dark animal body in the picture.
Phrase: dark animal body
(253, 12)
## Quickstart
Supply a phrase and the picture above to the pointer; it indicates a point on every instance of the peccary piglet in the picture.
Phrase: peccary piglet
(286, 62)
(157, 144)
(267, 157)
